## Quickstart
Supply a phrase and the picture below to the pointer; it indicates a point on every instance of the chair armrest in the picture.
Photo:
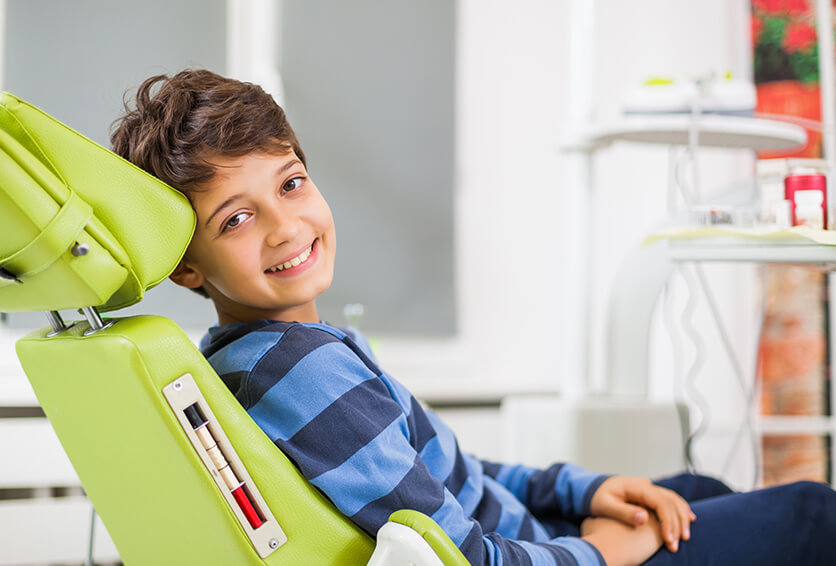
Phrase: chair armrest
(410, 538)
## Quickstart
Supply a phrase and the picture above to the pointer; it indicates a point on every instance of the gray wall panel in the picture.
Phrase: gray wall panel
(369, 89)
(75, 59)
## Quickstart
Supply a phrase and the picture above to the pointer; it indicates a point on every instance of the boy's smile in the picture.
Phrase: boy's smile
(264, 243)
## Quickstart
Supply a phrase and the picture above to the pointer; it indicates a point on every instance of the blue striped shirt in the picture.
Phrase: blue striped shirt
(363, 440)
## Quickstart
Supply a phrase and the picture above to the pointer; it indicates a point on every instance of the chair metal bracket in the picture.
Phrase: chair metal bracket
(57, 323)
(95, 320)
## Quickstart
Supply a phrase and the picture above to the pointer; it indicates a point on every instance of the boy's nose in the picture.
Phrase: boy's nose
(283, 225)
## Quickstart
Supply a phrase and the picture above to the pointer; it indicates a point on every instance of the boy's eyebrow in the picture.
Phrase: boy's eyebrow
(233, 198)
(225, 203)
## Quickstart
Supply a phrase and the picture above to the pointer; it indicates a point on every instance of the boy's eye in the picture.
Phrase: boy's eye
(292, 184)
(234, 221)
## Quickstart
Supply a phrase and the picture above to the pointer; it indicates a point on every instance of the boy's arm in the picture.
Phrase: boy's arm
(576, 493)
(344, 430)
(565, 488)
(620, 544)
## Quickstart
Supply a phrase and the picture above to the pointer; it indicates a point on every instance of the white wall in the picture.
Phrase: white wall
(513, 198)
(516, 290)
(679, 39)
(510, 98)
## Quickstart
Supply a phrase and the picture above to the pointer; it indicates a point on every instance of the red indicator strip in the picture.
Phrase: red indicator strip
(247, 507)
(235, 486)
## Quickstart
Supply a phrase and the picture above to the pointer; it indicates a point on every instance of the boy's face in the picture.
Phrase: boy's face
(264, 242)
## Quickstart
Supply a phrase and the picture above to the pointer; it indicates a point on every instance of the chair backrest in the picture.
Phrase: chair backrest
(80, 227)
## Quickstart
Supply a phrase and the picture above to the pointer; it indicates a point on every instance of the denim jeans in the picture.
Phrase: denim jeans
(788, 525)
(792, 524)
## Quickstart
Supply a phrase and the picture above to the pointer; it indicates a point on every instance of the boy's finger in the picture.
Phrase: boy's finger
(685, 518)
(685, 524)
(627, 513)
(669, 519)
(683, 510)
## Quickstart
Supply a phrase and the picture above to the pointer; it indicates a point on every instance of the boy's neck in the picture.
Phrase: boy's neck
(302, 313)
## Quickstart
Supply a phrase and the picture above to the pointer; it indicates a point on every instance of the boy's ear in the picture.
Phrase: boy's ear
(185, 276)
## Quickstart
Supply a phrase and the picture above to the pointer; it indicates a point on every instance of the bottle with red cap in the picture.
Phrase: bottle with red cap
(806, 191)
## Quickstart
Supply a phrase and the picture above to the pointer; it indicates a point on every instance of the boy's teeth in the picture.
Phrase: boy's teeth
(293, 262)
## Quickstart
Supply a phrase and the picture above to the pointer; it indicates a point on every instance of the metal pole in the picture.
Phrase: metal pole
(95, 320)
(56, 322)
(824, 30)
(91, 538)
(824, 23)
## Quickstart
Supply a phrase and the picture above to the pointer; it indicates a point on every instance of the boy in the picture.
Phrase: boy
(263, 251)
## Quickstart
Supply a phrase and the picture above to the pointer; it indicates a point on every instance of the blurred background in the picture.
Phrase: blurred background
(471, 250)
(480, 242)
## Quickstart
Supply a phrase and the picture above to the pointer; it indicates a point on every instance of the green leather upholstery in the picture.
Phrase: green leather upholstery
(102, 394)
(57, 189)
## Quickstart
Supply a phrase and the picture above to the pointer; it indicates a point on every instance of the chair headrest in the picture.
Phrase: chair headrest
(79, 225)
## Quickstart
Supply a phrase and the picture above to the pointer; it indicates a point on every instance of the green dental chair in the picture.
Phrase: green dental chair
(173, 464)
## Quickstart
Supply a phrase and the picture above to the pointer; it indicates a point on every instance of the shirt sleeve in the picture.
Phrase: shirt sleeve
(564, 488)
(341, 425)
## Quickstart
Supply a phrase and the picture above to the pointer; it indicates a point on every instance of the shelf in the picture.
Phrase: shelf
(714, 131)
(795, 424)
(816, 254)
(798, 245)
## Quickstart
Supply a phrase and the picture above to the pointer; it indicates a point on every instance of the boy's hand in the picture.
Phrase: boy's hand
(620, 544)
(629, 499)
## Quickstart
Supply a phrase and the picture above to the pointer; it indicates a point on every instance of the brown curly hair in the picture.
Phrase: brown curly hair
(179, 123)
